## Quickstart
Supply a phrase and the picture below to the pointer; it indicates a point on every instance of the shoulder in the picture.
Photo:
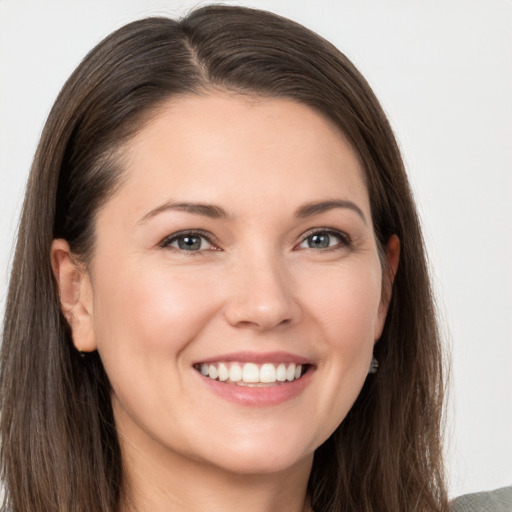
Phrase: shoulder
(499, 500)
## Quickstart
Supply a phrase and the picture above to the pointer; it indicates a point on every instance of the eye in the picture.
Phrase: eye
(190, 241)
(325, 239)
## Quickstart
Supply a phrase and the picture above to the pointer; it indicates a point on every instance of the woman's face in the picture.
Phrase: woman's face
(234, 294)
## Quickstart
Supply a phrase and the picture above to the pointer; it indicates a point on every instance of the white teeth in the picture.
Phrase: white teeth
(223, 372)
(290, 372)
(251, 373)
(213, 372)
(280, 373)
(235, 373)
(268, 373)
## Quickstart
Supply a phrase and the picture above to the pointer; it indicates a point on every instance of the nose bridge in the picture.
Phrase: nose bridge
(260, 291)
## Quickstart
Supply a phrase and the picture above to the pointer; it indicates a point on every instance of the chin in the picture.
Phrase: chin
(263, 463)
(259, 458)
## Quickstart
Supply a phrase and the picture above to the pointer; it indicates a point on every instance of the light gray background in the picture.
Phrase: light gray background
(443, 71)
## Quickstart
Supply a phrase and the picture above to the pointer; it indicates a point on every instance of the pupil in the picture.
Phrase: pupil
(189, 243)
(321, 241)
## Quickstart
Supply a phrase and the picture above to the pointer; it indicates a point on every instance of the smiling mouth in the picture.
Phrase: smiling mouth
(252, 374)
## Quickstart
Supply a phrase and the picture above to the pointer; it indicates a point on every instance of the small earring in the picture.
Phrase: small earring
(374, 365)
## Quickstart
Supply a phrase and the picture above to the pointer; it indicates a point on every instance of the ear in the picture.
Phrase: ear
(392, 256)
(75, 293)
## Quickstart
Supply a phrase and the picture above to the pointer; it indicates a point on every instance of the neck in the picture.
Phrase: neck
(156, 482)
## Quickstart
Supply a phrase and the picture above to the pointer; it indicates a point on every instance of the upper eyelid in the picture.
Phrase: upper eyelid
(342, 234)
(345, 241)
(209, 237)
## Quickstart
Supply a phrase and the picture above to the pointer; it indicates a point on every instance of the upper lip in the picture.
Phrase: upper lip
(257, 357)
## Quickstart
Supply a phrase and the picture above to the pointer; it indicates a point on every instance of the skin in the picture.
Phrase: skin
(153, 310)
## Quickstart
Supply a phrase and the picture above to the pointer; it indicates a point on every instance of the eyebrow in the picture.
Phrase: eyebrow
(316, 208)
(206, 210)
(216, 212)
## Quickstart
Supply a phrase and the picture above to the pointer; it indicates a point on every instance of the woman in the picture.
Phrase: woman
(219, 297)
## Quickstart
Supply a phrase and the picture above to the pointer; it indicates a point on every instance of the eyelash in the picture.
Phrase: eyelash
(167, 241)
(345, 241)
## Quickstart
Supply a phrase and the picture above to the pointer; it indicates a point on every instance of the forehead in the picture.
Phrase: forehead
(223, 147)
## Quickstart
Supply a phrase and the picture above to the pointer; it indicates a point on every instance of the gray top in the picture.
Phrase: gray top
(499, 500)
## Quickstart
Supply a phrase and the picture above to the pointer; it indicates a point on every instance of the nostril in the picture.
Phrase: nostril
(251, 313)
(262, 324)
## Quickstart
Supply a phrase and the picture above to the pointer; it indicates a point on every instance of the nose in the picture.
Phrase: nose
(260, 295)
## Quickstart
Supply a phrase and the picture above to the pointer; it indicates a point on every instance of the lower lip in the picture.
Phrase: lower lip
(258, 396)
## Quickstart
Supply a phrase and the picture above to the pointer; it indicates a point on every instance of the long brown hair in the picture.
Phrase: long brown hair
(59, 445)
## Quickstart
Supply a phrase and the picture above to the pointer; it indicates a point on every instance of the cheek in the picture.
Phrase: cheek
(343, 308)
(150, 309)
(345, 301)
